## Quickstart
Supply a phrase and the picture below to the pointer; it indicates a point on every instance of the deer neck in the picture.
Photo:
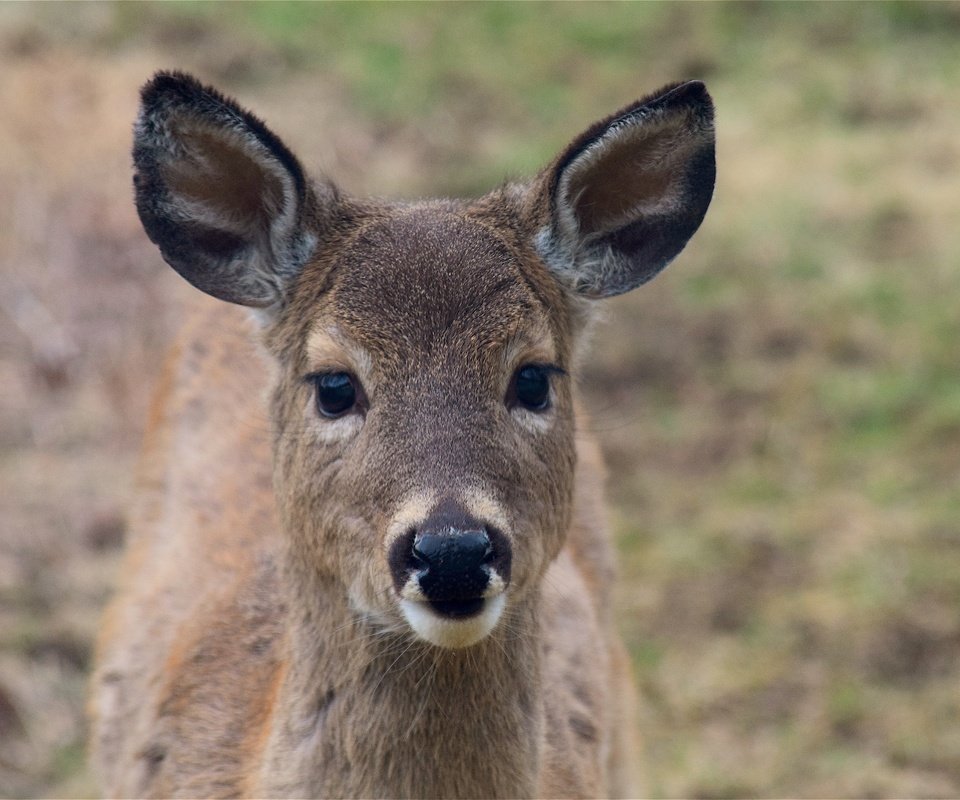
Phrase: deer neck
(364, 712)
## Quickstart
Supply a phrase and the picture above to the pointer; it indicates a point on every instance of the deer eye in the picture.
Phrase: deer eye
(531, 387)
(337, 392)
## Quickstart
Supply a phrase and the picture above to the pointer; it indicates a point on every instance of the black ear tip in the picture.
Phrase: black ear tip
(690, 93)
(691, 96)
(694, 87)
(170, 85)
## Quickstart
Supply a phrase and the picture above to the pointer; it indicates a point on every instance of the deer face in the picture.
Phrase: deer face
(424, 422)
(427, 442)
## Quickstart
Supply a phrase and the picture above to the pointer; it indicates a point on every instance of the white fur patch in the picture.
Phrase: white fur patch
(453, 633)
(535, 421)
(484, 506)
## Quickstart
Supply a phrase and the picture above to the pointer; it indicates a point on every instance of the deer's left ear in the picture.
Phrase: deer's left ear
(626, 196)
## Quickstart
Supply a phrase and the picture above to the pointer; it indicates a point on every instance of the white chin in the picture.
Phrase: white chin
(452, 633)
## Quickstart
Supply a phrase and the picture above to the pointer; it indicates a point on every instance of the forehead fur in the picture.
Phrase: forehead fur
(429, 277)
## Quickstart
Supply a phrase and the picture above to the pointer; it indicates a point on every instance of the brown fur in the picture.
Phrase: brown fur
(255, 647)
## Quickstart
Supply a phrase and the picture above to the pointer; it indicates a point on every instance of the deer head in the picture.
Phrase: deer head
(423, 404)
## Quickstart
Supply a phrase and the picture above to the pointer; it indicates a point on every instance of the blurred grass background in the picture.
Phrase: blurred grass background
(780, 410)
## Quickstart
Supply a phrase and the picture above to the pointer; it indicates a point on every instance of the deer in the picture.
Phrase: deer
(369, 555)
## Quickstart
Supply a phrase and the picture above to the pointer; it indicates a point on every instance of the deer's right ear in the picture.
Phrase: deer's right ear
(223, 198)
(625, 196)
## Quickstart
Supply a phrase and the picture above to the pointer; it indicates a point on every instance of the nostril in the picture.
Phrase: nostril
(403, 560)
(428, 548)
(416, 560)
(488, 555)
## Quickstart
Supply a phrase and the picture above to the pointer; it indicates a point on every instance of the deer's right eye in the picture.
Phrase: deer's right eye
(337, 392)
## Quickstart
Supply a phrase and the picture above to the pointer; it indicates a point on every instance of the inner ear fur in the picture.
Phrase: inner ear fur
(224, 199)
(626, 196)
(218, 177)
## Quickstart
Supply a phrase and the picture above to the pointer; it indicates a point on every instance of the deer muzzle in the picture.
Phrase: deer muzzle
(450, 573)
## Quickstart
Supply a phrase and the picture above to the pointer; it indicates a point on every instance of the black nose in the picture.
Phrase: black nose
(452, 557)
(452, 552)
(451, 563)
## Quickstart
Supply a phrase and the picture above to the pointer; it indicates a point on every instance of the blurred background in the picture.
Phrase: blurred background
(780, 410)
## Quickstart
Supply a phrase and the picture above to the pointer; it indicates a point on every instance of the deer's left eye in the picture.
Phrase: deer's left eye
(530, 387)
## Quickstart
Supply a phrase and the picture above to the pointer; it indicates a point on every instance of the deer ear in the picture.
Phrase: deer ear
(626, 196)
(223, 198)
